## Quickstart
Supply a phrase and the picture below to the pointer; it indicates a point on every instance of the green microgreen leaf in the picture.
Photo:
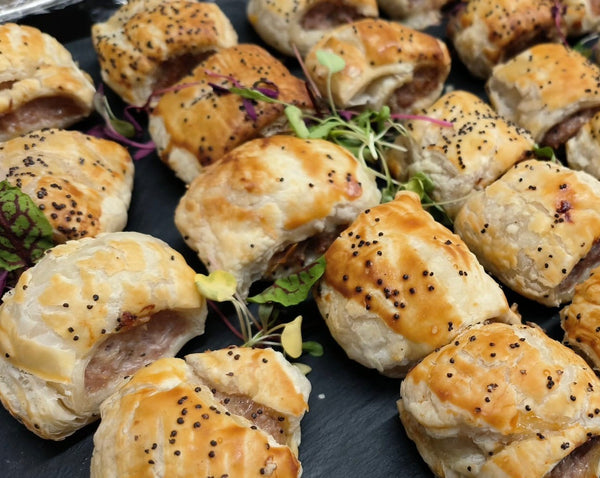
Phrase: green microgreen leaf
(313, 348)
(334, 63)
(546, 153)
(124, 128)
(295, 117)
(25, 233)
(293, 289)
(250, 94)
(420, 184)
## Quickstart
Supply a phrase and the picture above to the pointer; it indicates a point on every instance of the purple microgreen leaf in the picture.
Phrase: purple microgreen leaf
(25, 233)
(558, 11)
(267, 88)
(249, 107)
(347, 115)
(219, 90)
(226, 77)
(400, 116)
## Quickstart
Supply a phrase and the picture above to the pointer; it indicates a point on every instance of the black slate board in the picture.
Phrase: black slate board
(352, 429)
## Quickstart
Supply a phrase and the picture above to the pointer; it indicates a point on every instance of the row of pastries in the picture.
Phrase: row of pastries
(401, 293)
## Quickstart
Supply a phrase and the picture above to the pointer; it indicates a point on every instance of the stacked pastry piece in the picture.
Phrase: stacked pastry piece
(228, 412)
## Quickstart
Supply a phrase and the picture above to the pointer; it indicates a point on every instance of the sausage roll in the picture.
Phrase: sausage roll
(473, 151)
(582, 151)
(549, 89)
(580, 320)
(84, 318)
(504, 401)
(386, 64)
(398, 284)
(40, 84)
(272, 206)
(581, 16)
(418, 14)
(288, 24)
(198, 122)
(537, 229)
(221, 413)
(488, 32)
(81, 183)
(147, 45)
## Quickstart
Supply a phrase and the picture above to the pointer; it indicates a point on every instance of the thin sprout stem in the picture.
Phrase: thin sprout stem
(229, 325)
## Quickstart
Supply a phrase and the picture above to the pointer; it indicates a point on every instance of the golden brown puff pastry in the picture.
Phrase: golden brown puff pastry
(398, 284)
(386, 64)
(195, 125)
(581, 16)
(81, 183)
(582, 151)
(506, 402)
(418, 14)
(549, 89)
(40, 84)
(272, 206)
(147, 45)
(168, 421)
(488, 32)
(537, 229)
(288, 24)
(84, 318)
(472, 151)
(580, 319)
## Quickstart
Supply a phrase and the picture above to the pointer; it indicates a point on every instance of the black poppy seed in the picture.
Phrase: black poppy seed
(211, 454)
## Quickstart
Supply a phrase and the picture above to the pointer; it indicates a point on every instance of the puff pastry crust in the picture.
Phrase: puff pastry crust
(180, 115)
(581, 16)
(474, 149)
(418, 14)
(84, 318)
(82, 184)
(398, 284)
(288, 24)
(581, 318)
(549, 89)
(488, 32)
(168, 421)
(582, 151)
(536, 229)
(40, 84)
(147, 45)
(272, 206)
(386, 64)
(502, 401)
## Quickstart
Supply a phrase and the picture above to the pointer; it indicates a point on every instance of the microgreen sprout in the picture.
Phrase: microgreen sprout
(588, 47)
(25, 233)
(263, 328)
(117, 129)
